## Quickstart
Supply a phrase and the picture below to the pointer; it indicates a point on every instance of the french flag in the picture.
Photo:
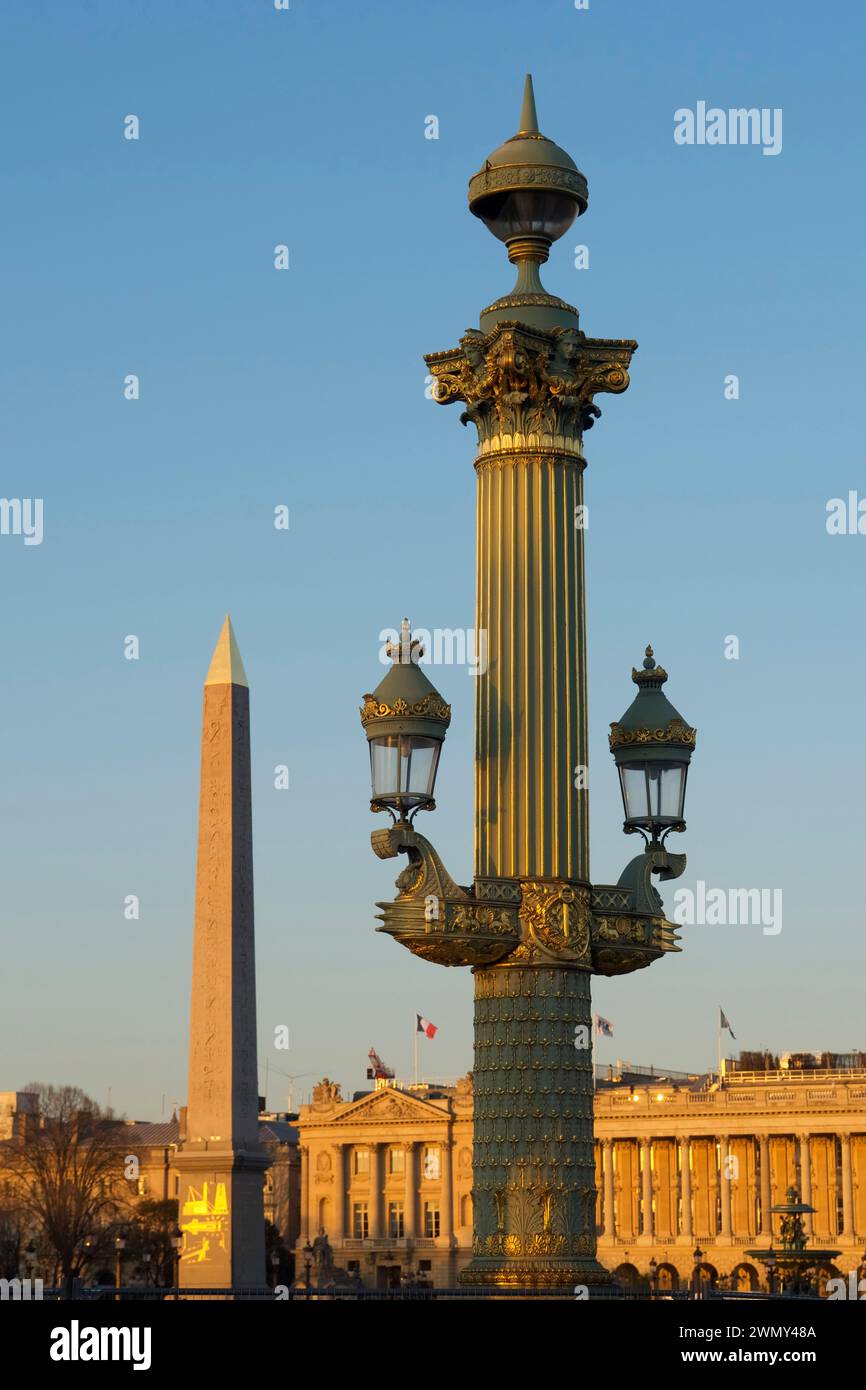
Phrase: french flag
(426, 1027)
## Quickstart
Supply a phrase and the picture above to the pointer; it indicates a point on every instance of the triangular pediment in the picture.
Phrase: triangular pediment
(390, 1106)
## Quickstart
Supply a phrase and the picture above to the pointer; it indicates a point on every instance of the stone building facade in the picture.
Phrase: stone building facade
(388, 1177)
(682, 1163)
(685, 1165)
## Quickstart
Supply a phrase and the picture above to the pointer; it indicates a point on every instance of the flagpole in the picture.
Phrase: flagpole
(593, 1054)
(416, 1049)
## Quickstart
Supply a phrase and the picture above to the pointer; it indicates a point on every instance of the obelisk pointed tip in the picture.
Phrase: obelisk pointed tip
(226, 667)
(528, 114)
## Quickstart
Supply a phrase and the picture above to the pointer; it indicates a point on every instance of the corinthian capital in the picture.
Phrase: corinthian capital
(531, 389)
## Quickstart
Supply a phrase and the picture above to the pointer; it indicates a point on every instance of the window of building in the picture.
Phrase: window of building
(432, 1163)
(395, 1219)
(362, 1162)
(425, 1266)
(396, 1161)
(360, 1220)
(143, 1187)
(431, 1218)
(353, 1266)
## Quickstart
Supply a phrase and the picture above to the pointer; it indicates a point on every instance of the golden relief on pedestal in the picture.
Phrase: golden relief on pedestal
(555, 922)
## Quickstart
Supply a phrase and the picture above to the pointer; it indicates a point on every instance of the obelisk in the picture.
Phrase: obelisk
(221, 1209)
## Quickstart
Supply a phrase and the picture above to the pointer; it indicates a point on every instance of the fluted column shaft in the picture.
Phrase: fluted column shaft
(377, 1183)
(806, 1182)
(725, 1170)
(847, 1189)
(447, 1191)
(766, 1198)
(609, 1212)
(339, 1191)
(646, 1204)
(305, 1194)
(531, 726)
(686, 1187)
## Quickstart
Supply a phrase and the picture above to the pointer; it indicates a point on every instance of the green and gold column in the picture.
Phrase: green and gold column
(531, 925)
(528, 378)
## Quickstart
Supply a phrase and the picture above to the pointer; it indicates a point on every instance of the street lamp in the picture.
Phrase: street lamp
(653, 1276)
(405, 720)
(119, 1247)
(770, 1262)
(308, 1264)
(652, 747)
(176, 1244)
(697, 1257)
(145, 1258)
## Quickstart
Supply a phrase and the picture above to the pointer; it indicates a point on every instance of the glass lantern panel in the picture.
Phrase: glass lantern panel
(384, 764)
(634, 790)
(666, 786)
(418, 759)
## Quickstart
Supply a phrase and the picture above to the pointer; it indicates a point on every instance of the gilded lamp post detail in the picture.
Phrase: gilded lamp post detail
(532, 927)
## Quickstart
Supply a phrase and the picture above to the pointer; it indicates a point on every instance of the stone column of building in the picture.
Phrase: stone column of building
(340, 1190)
(304, 1153)
(221, 1164)
(410, 1201)
(686, 1223)
(377, 1184)
(766, 1227)
(448, 1191)
(806, 1181)
(609, 1206)
(724, 1188)
(847, 1188)
(646, 1205)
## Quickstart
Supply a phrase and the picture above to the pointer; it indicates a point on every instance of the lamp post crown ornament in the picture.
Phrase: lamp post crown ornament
(527, 193)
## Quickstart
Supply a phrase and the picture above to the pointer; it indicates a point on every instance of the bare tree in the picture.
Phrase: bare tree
(64, 1166)
(13, 1222)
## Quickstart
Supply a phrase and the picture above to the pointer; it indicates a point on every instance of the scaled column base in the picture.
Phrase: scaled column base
(528, 1272)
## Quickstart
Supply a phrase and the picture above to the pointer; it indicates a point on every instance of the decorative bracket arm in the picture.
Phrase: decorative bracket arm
(629, 927)
(434, 917)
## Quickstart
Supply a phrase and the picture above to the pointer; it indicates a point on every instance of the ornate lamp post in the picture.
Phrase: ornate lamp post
(532, 926)
(698, 1256)
(119, 1247)
(176, 1247)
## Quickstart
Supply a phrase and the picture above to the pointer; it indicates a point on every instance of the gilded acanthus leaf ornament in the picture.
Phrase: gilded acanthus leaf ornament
(527, 389)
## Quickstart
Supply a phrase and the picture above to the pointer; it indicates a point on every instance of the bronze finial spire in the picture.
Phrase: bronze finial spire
(528, 114)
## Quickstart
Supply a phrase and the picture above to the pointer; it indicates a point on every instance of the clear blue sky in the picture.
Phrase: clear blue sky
(306, 387)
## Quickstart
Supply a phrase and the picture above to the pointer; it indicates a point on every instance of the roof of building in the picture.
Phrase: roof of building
(278, 1132)
(158, 1135)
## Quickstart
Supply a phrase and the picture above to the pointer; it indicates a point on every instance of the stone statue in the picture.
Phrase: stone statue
(323, 1255)
(326, 1092)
